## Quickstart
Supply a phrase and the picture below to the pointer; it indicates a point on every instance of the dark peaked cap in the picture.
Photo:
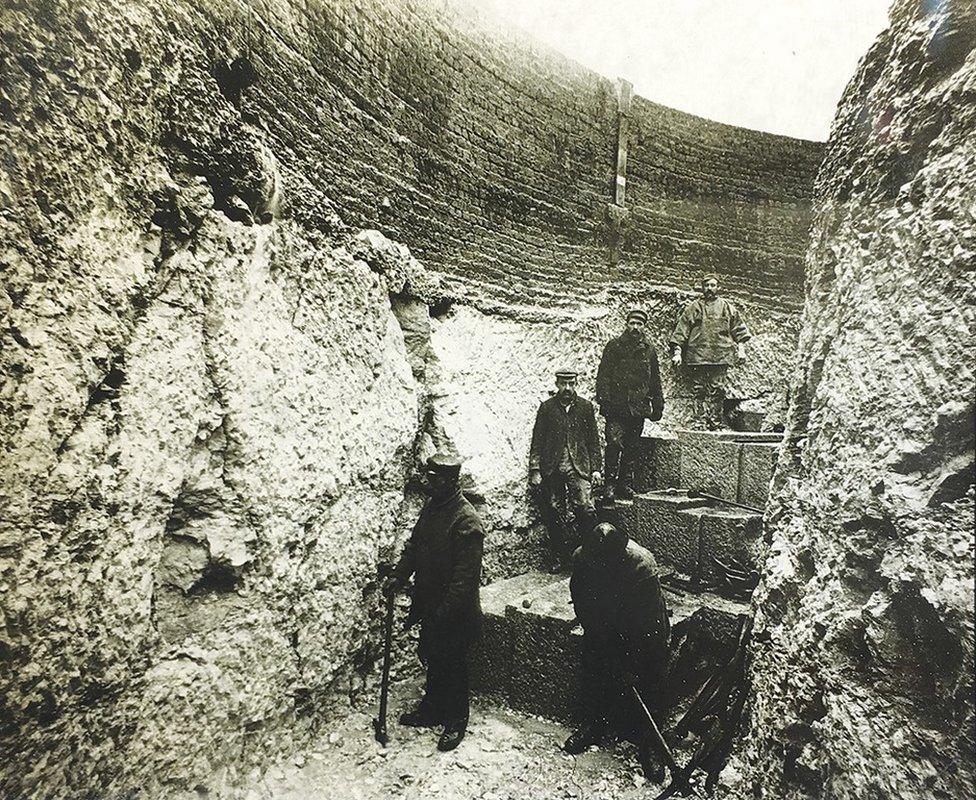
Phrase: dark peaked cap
(639, 313)
(445, 463)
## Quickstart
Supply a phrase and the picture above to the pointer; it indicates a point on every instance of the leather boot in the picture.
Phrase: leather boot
(584, 737)
(421, 717)
(452, 735)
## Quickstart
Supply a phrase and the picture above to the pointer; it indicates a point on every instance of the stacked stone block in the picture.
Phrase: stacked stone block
(529, 656)
(668, 525)
(734, 465)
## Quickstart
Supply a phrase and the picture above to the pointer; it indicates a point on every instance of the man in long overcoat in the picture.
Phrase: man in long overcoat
(628, 389)
(618, 600)
(444, 554)
(564, 459)
(712, 336)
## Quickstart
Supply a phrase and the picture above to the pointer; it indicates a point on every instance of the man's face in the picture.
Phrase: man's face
(710, 288)
(634, 327)
(438, 482)
(566, 388)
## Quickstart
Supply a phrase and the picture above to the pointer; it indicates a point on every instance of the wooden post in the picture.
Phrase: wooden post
(616, 209)
(625, 91)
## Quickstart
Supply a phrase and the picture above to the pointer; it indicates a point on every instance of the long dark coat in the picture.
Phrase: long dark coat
(623, 598)
(628, 382)
(444, 553)
(555, 429)
(625, 632)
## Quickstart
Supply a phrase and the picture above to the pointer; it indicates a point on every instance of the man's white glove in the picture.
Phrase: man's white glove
(535, 477)
(676, 358)
(740, 351)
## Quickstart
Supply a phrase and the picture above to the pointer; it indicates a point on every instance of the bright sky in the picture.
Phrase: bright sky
(773, 65)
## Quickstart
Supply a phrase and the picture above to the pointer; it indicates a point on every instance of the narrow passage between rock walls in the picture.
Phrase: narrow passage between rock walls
(505, 756)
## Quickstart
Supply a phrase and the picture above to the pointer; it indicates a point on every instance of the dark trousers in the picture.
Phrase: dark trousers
(708, 388)
(567, 506)
(446, 685)
(607, 697)
(623, 435)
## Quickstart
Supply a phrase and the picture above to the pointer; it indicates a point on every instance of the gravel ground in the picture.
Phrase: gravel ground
(505, 756)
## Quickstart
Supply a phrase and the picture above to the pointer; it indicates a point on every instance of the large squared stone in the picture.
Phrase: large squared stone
(666, 524)
(730, 533)
(545, 654)
(492, 655)
(710, 463)
(536, 643)
(658, 462)
(756, 467)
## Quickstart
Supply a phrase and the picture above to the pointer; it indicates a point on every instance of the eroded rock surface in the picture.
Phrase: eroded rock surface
(864, 627)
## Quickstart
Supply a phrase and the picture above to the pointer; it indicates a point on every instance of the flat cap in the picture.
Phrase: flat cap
(637, 313)
(566, 372)
(444, 462)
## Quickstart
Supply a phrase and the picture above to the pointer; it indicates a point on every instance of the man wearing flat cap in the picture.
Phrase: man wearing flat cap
(628, 389)
(444, 556)
(713, 337)
(563, 460)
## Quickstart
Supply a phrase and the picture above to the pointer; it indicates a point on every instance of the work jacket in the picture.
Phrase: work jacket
(559, 431)
(444, 553)
(628, 381)
(621, 599)
(709, 331)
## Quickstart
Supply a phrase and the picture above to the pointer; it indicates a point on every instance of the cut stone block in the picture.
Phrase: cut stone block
(545, 654)
(644, 464)
(666, 524)
(756, 467)
(491, 656)
(710, 463)
(658, 463)
(542, 643)
(730, 533)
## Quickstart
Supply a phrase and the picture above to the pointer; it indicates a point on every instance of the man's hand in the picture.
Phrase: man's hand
(596, 477)
(676, 358)
(740, 351)
(535, 477)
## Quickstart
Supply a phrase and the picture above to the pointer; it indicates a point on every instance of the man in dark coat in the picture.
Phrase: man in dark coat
(444, 553)
(616, 593)
(628, 389)
(713, 337)
(563, 460)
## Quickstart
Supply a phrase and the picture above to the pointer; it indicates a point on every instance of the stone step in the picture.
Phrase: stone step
(685, 533)
(529, 655)
(736, 465)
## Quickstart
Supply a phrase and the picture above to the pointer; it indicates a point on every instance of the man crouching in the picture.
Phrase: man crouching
(444, 552)
(618, 600)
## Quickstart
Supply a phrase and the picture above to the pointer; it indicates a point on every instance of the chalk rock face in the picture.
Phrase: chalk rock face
(208, 415)
(864, 633)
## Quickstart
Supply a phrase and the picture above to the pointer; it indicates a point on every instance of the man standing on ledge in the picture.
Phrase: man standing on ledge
(564, 458)
(712, 335)
(444, 552)
(628, 389)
